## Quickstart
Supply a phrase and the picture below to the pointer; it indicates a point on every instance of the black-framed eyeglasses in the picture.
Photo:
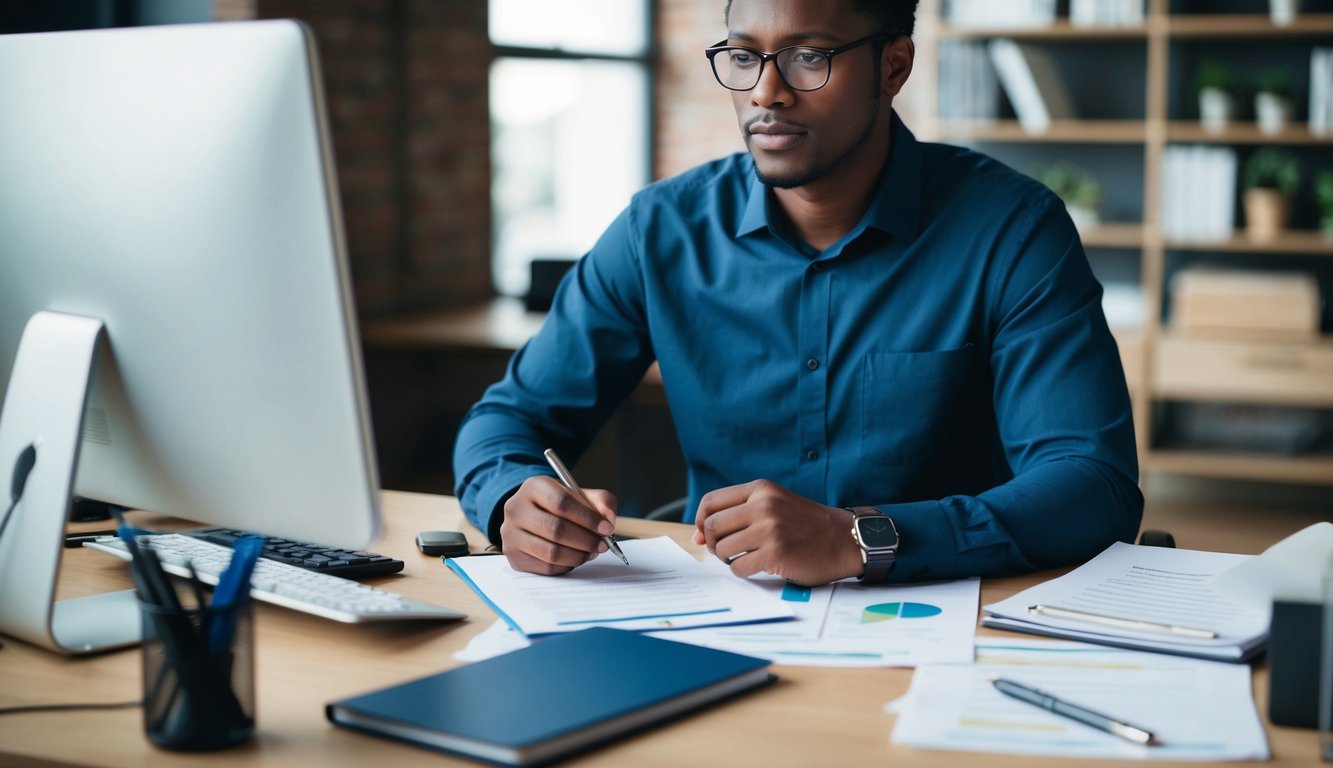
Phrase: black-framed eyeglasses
(801, 67)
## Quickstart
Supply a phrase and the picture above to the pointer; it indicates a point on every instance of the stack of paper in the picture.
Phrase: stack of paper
(1196, 710)
(1001, 15)
(1152, 598)
(1105, 13)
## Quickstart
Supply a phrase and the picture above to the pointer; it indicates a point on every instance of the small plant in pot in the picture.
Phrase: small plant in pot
(1323, 197)
(1216, 103)
(1079, 190)
(1272, 101)
(1270, 179)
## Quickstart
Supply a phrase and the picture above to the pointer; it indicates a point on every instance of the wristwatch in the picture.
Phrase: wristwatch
(877, 537)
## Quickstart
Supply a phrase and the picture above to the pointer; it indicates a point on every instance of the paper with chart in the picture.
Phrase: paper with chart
(663, 587)
(1153, 584)
(846, 624)
(1199, 710)
(836, 625)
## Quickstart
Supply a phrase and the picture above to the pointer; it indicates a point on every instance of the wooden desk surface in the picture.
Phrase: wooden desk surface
(811, 717)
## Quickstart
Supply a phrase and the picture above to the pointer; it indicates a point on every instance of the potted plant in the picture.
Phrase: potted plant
(1216, 103)
(1079, 190)
(1323, 196)
(1270, 179)
(1272, 101)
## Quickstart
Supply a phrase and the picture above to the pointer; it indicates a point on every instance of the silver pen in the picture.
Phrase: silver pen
(1117, 621)
(1083, 715)
(572, 484)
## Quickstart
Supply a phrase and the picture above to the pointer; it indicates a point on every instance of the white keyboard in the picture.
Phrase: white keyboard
(286, 585)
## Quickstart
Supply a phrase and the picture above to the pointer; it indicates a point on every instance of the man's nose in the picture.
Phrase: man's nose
(771, 90)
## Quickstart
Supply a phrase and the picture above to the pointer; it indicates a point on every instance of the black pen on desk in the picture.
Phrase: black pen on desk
(565, 477)
(1101, 722)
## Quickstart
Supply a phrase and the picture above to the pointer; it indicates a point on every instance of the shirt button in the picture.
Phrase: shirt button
(812, 454)
(812, 363)
(817, 267)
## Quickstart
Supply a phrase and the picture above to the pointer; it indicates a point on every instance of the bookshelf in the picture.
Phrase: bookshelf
(1163, 367)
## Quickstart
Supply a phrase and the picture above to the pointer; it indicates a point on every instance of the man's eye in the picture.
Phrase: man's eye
(743, 59)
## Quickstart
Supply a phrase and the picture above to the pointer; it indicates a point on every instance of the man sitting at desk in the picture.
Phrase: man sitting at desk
(884, 358)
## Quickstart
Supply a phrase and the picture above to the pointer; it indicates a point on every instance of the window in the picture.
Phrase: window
(570, 126)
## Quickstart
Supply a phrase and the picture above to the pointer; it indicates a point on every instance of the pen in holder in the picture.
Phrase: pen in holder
(198, 660)
(198, 695)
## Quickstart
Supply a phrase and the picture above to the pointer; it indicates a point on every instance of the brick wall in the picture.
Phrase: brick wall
(406, 86)
(695, 120)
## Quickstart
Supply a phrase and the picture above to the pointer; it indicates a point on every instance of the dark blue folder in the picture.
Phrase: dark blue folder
(558, 696)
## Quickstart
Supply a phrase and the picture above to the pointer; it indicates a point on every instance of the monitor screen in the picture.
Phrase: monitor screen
(176, 183)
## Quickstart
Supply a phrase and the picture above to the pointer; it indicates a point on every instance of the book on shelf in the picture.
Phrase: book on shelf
(1005, 14)
(1321, 91)
(1211, 300)
(558, 696)
(967, 86)
(1105, 13)
(1198, 193)
(1031, 79)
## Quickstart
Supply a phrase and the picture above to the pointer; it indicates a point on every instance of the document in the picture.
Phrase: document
(846, 624)
(1199, 710)
(663, 587)
(836, 625)
(1129, 584)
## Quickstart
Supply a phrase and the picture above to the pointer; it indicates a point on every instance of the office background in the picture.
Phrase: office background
(473, 137)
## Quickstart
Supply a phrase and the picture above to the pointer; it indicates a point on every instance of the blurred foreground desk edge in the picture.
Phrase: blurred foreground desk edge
(811, 717)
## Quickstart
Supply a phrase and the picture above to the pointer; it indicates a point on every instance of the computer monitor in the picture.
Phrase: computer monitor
(169, 194)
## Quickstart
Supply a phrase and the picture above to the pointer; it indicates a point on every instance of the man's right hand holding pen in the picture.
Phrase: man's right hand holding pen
(549, 530)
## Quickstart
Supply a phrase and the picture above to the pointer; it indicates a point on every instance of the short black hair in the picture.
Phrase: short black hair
(895, 17)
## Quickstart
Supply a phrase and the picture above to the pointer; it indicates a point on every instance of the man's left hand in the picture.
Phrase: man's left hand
(762, 527)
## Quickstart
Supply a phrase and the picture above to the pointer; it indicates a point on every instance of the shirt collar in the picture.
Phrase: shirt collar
(895, 208)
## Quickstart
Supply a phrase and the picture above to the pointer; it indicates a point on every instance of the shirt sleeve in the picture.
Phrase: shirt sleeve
(1064, 419)
(561, 386)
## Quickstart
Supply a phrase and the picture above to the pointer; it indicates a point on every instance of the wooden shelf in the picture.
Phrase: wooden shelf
(1249, 25)
(1295, 242)
(1060, 30)
(1243, 133)
(1314, 469)
(1113, 235)
(1073, 131)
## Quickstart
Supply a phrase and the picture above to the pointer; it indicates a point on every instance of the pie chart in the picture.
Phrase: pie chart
(890, 611)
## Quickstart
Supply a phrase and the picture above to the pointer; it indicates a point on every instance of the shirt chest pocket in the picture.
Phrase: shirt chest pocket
(907, 402)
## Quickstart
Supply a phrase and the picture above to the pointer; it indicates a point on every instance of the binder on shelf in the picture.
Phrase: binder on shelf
(1031, 79)
(1321, 91)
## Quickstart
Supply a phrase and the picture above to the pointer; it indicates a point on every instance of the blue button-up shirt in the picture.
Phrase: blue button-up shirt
(947, 361)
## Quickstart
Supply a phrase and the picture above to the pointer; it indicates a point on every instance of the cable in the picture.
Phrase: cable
(69, 707)
(22, 468)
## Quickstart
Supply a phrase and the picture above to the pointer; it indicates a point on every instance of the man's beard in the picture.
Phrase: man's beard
(817, 170)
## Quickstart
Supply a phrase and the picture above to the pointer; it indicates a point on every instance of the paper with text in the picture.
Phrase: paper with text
(1199, 710)
(663, 587)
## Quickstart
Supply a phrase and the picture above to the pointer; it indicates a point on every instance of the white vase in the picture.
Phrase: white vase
(1272, 111)
(1283, 12)
(1215, 108)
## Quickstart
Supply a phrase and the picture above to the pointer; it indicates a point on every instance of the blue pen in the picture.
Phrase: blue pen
(233, 587)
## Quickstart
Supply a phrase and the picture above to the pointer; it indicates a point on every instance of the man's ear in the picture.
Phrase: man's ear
(896, 64)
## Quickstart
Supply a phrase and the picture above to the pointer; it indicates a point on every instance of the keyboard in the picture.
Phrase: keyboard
(330, 560)
(289, 586)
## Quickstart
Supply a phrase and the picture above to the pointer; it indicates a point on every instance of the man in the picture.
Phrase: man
(884, 359)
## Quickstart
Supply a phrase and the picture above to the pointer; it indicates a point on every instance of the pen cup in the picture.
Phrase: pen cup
(198, 676)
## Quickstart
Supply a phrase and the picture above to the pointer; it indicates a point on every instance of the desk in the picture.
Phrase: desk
(811, 717)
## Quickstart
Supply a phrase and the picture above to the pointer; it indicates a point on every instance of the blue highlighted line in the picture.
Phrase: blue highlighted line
(619, 619)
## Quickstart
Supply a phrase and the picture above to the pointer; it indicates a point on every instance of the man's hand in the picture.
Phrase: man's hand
(761, 526)
(548, 530)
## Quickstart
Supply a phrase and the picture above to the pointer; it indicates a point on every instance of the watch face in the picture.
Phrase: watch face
(877, 532)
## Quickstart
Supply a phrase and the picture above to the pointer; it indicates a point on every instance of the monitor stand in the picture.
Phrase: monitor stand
(43, 407)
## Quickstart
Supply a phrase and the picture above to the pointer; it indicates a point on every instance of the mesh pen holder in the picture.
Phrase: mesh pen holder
(198, 676)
